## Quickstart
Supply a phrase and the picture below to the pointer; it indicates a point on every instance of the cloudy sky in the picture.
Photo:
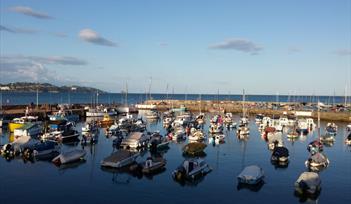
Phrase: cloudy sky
(265, 47)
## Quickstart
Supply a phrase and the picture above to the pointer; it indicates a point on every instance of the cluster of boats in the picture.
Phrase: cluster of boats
(130, 139)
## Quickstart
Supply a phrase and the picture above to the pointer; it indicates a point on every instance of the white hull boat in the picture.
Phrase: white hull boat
(69, 157)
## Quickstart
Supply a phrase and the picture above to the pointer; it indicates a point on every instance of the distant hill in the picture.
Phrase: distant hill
(45, 87)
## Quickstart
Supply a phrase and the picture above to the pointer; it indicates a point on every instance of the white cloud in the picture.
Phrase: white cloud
(30, 12)
(33, 68)
(242, 45)
(91, 36)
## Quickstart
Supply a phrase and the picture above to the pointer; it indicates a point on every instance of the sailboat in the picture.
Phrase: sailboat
(243, 129)
(317, 160)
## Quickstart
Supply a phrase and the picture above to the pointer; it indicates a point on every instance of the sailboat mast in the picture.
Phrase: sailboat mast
(37, 97)
(244, 112)
(126, 99)
(319, 121)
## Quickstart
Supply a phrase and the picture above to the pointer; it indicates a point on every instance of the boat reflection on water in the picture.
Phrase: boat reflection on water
(119, 173)
(254, 188)
(72, 165)
(307, 198)
(280, 165)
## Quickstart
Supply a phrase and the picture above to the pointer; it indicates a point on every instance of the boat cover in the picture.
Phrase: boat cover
(319, 158)
(311, 179)
(280, 152)
(252, 172)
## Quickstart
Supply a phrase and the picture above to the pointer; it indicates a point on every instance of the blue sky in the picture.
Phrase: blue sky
(265, 47)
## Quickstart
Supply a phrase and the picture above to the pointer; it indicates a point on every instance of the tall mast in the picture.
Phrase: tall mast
(37, 97)
(319, 121)
(244, 112)
(126, 96)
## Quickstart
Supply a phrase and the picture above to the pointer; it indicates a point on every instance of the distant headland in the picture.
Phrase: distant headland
(45, 87)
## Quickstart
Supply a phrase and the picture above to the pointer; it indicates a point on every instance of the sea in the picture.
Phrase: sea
(20, 98)
(40, 181)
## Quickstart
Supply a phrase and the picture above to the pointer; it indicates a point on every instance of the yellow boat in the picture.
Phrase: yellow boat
(107, 121)
(20, 122)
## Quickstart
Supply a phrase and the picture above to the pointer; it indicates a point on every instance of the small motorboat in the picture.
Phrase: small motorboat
(280, 155)
(194, 149)
(315, 146)
(317, 162)
(243, 131)
(327, 138)
(158, 142)
(308, 183)
(119, 159)
(191, 169)
(348, 139)
(331, 129)
(69, 157)
(152, 165)
(40, 149)
(197, 135)
(251, 175)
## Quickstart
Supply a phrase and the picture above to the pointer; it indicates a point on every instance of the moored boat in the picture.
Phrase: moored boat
(251, 175)
(119, 159)
(69, 157)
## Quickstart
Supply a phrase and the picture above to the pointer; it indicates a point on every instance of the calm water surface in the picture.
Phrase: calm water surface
(86, 182)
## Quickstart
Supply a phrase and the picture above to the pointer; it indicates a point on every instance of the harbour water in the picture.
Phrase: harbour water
(18, 98)
(86, 182)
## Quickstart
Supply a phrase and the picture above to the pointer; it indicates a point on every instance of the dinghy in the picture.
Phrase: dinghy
(119, 159)
(69, 157)
(251, 175)
(308, 183)
(191, 169)
(152, 165)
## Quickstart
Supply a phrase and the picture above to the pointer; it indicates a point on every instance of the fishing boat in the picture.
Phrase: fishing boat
(152, 165)
(191, 169)
(64, 115)
(51, 135)
(69, 157)
(119, 159)
(20, 122)
(28, 129)
(251, 175)
(308, 183)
